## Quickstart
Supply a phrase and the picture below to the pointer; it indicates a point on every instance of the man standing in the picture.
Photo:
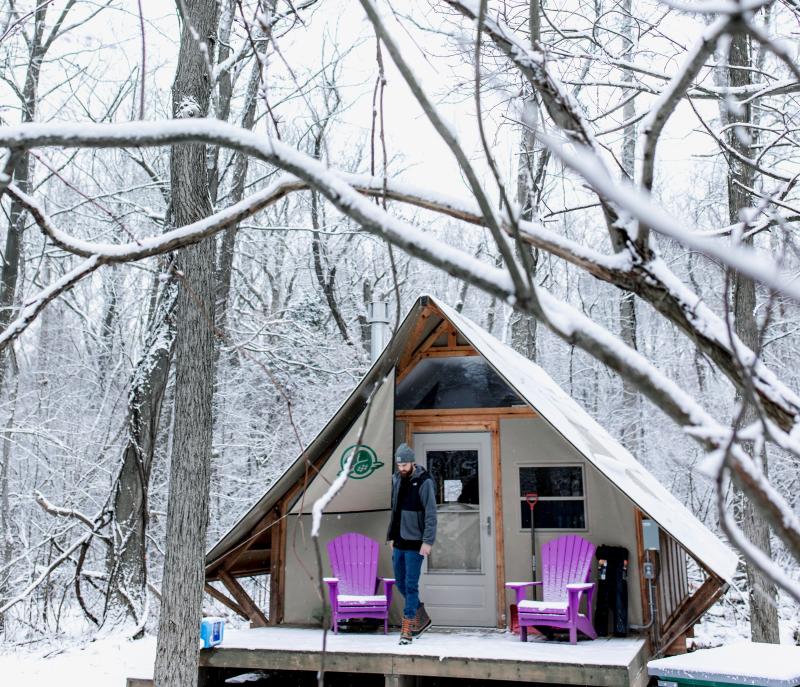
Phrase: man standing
(412, 531)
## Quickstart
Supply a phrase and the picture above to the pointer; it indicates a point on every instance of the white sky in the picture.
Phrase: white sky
(111, 43)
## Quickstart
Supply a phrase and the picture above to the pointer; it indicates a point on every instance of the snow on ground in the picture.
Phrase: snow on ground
(102, 663)
(726, 622)
(109, 661)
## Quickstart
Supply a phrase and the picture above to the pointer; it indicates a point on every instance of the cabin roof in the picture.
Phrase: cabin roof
(550, 402)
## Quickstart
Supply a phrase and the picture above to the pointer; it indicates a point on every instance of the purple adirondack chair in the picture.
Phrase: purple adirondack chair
(353, 589)
(566, 564)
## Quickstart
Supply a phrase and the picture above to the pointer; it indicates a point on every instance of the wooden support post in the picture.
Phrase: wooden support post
(225, 601)
(638, 517)
(401, 681)
(276, 588)
(257, 618)
(697, 604)
(499, 531)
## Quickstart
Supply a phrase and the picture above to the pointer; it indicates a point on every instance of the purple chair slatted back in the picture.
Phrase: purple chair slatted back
(354, 560)
(565, 560)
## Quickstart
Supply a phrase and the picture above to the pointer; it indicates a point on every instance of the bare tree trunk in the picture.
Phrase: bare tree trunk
(187, 509)
(127, 565)
(762, 592)
(12, 253)
(228, 243)
(632, 423)
(6, 542)
(529, 192)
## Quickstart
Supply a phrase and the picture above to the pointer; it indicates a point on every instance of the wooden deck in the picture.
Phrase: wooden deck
(463, 653)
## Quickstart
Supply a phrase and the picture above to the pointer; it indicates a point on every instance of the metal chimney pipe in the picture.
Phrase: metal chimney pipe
(378, 319)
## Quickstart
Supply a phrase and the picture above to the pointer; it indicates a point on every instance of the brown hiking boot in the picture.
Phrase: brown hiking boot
(405, 631)
(422, 621)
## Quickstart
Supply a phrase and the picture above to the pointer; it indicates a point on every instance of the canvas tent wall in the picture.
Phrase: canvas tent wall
(361, 506)
(569, 427)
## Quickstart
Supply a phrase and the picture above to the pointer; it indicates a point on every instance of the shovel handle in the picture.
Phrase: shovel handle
(532, 499)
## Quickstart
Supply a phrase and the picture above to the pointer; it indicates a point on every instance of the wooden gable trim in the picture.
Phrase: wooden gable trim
(414, 336)
(426, 348)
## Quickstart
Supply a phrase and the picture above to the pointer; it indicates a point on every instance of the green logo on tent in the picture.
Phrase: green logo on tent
(365, 462)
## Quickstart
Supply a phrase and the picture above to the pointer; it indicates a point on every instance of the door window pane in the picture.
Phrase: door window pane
(457, 382)
(458, 535)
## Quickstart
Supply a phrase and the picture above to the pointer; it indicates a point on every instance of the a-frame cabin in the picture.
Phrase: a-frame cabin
(489, 424)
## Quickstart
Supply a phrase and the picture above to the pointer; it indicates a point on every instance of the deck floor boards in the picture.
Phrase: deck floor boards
(462, 653)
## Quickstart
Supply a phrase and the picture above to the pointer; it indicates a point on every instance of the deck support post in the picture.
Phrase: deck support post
(257, 618)
(691, 610)
(401, 681)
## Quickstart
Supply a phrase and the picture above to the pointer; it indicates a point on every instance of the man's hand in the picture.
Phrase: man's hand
(391, 545)
(425, 549)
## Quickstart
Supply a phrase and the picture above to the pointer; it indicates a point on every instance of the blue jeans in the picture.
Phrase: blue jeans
(407, 567)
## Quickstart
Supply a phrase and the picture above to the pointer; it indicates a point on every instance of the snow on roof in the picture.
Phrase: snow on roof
(743, 663)
(612, 459)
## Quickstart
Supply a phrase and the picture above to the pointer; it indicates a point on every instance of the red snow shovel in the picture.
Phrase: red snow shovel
(531, 499)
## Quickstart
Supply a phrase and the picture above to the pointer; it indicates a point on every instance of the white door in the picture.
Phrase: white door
(458, 578)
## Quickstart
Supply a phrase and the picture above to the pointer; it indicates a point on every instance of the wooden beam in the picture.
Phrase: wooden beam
(460, 352)
(697, 604)
(224, 600)
(438, 330)
(406, 366)
(471, 413)
(452, 339)
(257, 618)
(261, 527)
(252, 562)
(452, 426)
(499, 531)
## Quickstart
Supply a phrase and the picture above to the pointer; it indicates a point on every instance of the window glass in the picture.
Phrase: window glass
(454, 382)
(561, 504)
(554, 515)
(551, 481)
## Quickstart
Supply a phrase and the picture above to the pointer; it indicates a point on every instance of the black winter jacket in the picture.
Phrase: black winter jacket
(417, 522)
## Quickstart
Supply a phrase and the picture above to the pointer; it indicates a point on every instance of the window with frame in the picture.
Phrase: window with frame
(562, 497)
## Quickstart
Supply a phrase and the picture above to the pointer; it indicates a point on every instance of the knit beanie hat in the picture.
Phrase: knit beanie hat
(404, 454)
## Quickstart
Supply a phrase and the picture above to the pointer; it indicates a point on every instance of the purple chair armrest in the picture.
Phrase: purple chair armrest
(519, 588)
(333, 591)
(574, 591)
(388, 586)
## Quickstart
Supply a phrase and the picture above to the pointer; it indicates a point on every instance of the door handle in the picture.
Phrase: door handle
(489, 525)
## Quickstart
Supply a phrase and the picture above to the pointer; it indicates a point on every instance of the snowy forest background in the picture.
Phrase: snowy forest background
(84, 382)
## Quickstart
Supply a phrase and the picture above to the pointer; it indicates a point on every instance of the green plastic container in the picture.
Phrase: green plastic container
(744, 663)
